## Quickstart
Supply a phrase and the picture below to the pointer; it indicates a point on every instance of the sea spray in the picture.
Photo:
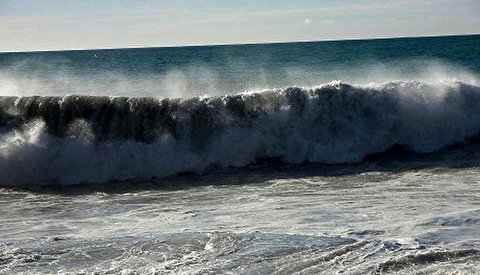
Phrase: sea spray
(74, 139)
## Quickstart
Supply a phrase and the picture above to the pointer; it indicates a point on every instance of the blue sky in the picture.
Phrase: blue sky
(67, 24)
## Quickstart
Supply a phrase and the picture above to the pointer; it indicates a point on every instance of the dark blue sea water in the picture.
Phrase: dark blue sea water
(322, 157)
(207, 70)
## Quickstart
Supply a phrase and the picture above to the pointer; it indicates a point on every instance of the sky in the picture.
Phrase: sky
(30, 25)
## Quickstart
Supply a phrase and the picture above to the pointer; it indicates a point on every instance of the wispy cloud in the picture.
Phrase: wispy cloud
(26, 22)
(325, 22)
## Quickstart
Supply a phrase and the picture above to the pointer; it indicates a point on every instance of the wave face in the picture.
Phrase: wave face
(78, 139)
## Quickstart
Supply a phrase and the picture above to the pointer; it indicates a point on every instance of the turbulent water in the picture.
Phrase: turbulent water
(329, 157)
(126, 138)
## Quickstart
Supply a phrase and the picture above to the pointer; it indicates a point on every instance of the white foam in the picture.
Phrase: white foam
(334, 123)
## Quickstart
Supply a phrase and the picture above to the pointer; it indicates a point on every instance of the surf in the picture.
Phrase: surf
(77, 139)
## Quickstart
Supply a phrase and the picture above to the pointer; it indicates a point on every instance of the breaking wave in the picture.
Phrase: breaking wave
(77, 139)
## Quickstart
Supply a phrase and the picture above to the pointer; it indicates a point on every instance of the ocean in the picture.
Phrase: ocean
(351, 157)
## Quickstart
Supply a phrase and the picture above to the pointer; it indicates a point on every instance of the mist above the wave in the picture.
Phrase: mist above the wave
(197, 80)
(173, 84)
(430, 71)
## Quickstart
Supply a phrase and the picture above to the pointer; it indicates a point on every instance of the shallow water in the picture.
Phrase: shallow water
(307, 219)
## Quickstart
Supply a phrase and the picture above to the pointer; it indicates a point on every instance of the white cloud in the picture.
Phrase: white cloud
(327, 22)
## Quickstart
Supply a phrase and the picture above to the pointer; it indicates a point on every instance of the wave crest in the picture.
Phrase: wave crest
(74, 139)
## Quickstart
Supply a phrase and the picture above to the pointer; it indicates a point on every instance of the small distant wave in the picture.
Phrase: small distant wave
(85, 139)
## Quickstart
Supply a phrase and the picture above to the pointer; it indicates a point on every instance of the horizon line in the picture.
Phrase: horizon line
(236, 44)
